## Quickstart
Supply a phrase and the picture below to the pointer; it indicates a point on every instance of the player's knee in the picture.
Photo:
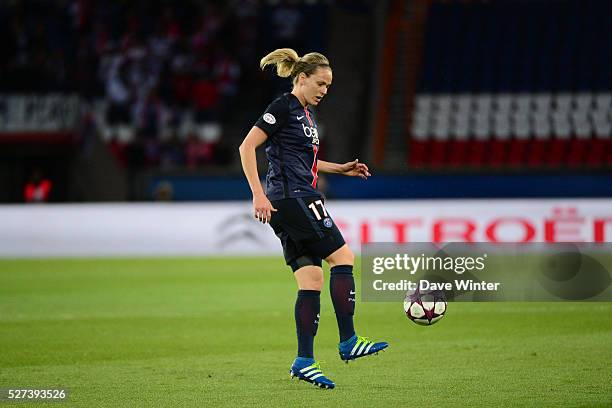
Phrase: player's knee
(316, 282)
(309, 278)
(308, 272)
(350, 256)
(343, 256)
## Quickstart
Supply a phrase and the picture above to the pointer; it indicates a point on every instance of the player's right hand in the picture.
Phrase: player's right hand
(262, 208)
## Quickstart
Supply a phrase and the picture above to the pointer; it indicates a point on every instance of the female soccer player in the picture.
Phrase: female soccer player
(296, 211)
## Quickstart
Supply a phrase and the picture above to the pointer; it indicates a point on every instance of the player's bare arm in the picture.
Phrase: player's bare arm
(262, 208)
(352, 168)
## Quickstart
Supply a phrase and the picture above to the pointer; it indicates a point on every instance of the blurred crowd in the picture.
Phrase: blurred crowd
(160, 77)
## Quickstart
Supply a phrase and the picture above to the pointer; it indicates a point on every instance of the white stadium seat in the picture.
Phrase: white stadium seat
(503, 103)
(583, 102)
(420, 116)
(482, 130)
(542, 102)
(442, 103)
(441, 130)
(563, 102)
(599, 117)
(441, 117)
(480, 117)
(562, 129)
(499, 117)
(420, 121)
(603, 130)
(541, 125)
(125, 134)
(420, 131)
(539, 116)
(459, 118)
(106, 133)
(519, 117)
(209, 132)
(187, 126)
(522, 102)
(460, 130)
(603, 101)
(558, 116)
(463, 103)
(579, 118)
(520, 125)
(502, 130)
(541, 129)
(583, 130)
(423, 102)
(483, 103)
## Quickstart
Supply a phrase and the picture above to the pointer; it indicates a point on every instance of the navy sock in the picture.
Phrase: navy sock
(307, 308)
(342, 290)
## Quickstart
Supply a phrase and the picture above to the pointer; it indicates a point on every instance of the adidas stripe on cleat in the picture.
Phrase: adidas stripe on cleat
(358, 346)
(310, 373)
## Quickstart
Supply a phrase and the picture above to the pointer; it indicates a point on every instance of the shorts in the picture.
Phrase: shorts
(305, 228)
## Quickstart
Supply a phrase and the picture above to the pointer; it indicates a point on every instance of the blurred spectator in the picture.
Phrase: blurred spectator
(199, 152)
(205, 99)
(37, 189)
(288, 24)
(118, 94)
(172, 153)
(227, 76)
(158, 75)
(163, 191)
(148, 114)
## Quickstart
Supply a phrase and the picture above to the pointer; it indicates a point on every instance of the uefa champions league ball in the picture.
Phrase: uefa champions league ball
(425, 307)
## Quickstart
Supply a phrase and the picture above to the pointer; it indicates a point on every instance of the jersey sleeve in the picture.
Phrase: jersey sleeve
(274, 117)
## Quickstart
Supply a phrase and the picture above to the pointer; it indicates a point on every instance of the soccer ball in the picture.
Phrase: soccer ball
(425, 307)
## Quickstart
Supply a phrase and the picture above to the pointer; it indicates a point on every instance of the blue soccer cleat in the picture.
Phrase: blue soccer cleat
(306, 369)
(358, 346)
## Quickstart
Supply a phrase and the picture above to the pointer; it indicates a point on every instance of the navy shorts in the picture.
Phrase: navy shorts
(306, 230)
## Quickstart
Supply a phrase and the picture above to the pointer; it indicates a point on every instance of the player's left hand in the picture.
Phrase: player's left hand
(355, 169)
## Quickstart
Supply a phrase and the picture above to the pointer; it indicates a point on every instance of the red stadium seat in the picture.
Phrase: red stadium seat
(557, 152)
(517, 151)
(497, 152)
(418, 153)
(596, 152)
(458, 152)
(537, 152)
(577, 152)
(477, 152)
(438, 155)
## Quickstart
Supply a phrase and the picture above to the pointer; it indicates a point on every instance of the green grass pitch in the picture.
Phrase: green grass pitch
(220, 332)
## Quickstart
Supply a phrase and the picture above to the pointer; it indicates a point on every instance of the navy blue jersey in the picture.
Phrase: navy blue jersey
(291, 148)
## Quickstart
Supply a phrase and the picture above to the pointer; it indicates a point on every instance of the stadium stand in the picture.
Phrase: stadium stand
(160, 79)
(514, 85)
(112, 99)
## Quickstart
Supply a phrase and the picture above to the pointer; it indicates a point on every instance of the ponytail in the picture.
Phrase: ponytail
(285, 60)
(290, 64)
